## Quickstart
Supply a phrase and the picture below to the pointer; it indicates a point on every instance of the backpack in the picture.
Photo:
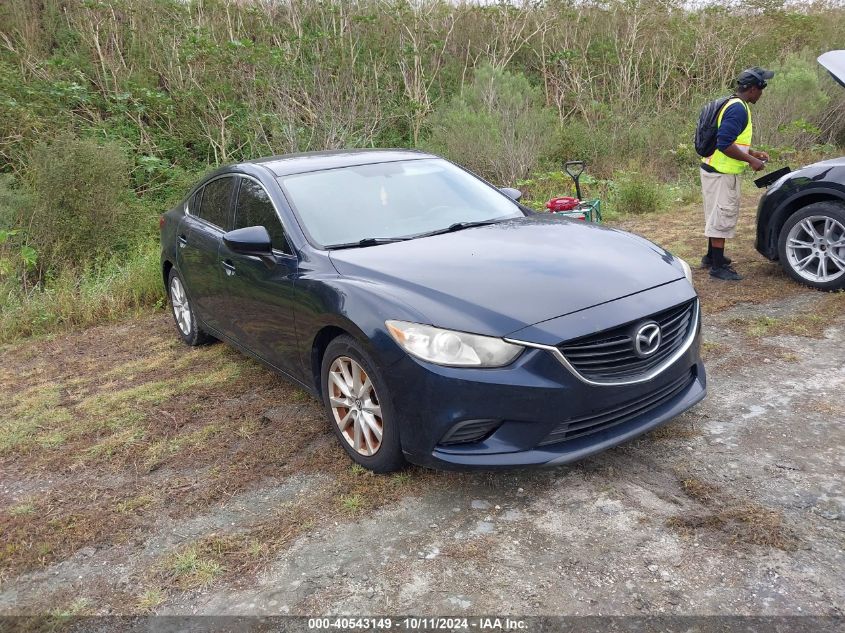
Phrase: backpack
(707, 129)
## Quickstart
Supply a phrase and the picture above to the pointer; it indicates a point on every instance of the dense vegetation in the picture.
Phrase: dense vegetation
(110, 108)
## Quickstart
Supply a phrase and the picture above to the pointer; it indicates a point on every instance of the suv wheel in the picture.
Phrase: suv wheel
(186, 322)
(358, 406)
(812, 245)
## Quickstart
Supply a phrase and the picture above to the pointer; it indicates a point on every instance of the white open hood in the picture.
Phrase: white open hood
(834, 62)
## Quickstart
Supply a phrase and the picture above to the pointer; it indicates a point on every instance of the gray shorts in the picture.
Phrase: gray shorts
(721, 203)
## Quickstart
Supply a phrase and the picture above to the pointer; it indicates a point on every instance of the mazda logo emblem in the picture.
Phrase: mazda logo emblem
(647, 339)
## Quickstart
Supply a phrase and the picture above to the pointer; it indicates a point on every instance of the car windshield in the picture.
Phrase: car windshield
(387, 201)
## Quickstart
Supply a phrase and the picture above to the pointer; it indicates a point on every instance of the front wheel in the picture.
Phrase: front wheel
(812, 245)
(359, 408)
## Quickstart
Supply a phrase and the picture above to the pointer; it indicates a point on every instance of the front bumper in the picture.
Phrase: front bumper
(531, 398)
(579, 448)
(765, 238)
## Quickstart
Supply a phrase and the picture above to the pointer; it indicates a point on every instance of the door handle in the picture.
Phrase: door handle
(183, 241)
(229, 267)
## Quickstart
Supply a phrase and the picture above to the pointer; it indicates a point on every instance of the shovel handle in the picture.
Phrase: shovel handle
(570, 167)
(575, 168)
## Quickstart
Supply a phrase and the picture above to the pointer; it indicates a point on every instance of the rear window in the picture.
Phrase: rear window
(214, 206)
(194, 202)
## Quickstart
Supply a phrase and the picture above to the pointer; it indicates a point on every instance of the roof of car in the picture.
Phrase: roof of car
(288, 164)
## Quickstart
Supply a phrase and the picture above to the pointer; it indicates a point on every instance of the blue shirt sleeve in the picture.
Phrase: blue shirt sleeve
(734, 121)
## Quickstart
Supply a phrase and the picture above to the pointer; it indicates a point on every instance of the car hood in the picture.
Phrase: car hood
(819, 174)
(831, 162)
(834, 62)
(499, 278)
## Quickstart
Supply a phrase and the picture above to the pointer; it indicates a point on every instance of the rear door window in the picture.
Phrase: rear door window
(194, 202)
(216, 197)
(254, 208)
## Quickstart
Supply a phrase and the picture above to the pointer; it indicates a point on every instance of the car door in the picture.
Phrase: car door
(258, 292)
(199, 238)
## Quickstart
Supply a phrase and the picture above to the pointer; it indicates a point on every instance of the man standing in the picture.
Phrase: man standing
(720, 182)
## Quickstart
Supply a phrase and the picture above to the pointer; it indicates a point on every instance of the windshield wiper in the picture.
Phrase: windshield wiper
(368, 241)
(459, 226)
(375, 241)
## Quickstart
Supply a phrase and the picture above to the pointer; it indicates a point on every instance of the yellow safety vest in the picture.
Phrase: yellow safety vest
(722, 162)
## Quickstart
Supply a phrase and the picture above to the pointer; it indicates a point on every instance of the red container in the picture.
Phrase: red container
(566, 203)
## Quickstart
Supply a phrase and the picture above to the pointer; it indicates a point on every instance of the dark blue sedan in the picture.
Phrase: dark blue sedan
(438, 320)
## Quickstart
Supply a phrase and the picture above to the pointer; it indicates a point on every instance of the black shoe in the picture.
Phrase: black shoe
(725, 273)
(706, 262)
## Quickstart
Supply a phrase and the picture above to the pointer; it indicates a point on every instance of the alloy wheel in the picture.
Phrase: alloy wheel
(181, 307)
(815, 248)
(355, 406)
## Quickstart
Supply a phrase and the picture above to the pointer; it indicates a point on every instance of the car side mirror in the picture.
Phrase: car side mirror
(513, 194)
(250, 240)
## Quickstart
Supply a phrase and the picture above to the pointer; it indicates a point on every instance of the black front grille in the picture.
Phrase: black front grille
(609, 355)
(578, 427)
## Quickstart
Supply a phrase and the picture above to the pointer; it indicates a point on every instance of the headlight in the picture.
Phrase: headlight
(687, 271)
(455, 349)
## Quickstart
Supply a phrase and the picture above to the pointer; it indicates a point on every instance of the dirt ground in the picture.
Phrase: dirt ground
(138, 476)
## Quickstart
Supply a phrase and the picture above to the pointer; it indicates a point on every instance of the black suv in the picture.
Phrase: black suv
(801, 217)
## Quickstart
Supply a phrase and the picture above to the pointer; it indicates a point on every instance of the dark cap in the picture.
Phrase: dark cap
(754, 77)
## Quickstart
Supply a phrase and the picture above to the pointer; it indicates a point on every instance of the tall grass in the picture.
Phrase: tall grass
(124, 285)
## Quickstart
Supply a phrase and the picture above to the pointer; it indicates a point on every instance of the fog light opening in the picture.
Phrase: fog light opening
(470, 431)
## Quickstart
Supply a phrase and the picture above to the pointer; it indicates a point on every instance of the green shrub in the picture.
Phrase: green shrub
(83, 209)
(542, 186)
(579, 140)
(121, 286)
(638, 193)
(662, 143)
(496, 127)
(788, 113)
(15, 202)
(17, 258)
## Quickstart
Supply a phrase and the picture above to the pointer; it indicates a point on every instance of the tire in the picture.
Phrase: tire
(346, 365)
(183, 316)
(811, 245)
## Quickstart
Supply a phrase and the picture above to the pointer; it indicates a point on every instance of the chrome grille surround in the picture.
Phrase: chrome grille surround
(649, 372)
